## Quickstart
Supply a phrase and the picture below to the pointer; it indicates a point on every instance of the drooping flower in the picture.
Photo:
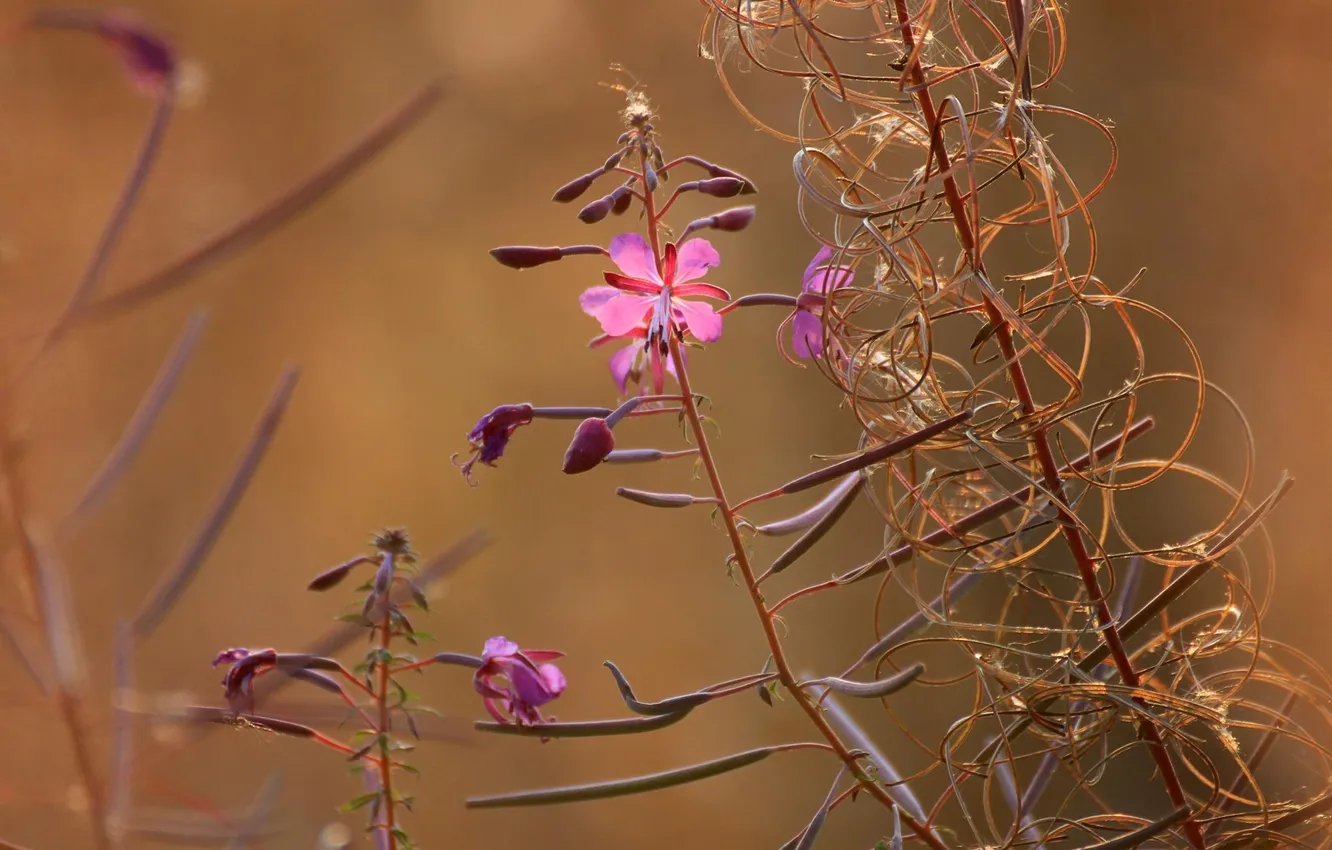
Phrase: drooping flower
(244, 665)
(592, 441)
(491, 435)
(515, 683)
(819, 279)
(641, 300)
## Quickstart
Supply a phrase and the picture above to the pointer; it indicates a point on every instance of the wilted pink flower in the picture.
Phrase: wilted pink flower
(491, 434)
(245, 665)
(514, 683)
(819, 279)
(641, 299)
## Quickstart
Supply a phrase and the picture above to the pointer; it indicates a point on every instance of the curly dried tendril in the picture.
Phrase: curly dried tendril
(922, 147)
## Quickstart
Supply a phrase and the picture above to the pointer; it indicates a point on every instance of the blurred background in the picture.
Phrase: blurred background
(406, 332)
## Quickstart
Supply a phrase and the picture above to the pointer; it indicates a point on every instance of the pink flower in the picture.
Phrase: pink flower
(514, 684)
(807, 321)
(641, 301)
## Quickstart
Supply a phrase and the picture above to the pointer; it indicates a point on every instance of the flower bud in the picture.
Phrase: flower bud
(525, 256)
(722, 187)
(575, 188)
(650, 177)
(736, 218)
(596, 211)
(592, 441)
(620, 200)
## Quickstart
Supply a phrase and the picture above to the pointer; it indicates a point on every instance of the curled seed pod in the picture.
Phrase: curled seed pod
(525, 256)
(592, 441)
(721, 187)
(596, 211)
(872, 690)
(575, 188)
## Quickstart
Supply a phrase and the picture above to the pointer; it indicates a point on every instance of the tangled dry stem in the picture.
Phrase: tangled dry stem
(923, 132)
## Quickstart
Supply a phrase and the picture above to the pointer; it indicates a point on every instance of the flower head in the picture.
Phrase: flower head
(640, 301)
(514, 683)
(244, 666)
(491, 435)
(820, 278)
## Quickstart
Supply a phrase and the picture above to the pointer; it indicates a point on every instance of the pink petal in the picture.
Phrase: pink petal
(633, 255)
(828, 278)
(807, 334)
(594, 298)
(703, 321)
(530, 686)
(539, 655)
(632, 284)
(494, 710)
(554, 679)
(820, 259)
(695, 258)
(499, 647)
(620, 364)
(623, 313)
(707, 290)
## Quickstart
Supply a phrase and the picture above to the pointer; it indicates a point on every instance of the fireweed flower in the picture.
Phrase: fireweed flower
(491, 435)
(640, 297)
(515, 683)
(819, 279)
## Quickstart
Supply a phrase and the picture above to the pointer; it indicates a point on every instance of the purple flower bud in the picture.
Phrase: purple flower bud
(596, 211)
(620, 200)
(333, 576)
(525, 256)
(734, 219)
(650, 177)
(612, 161)
(721, 187)
(592, 441)
(575, 188)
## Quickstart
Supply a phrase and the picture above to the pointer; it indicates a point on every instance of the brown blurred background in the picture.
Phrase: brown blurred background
(406, 332)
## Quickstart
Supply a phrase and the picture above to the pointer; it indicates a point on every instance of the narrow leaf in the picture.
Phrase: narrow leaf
(178, 578)
(141, 423)
(821, 527)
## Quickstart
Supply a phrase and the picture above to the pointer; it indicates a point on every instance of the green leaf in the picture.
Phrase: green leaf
(622, 787)
(359, 802)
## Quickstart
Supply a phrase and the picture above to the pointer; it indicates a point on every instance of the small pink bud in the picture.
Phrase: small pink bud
(592, 441)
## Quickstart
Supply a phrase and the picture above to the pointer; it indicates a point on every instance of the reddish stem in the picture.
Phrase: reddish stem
(1039, 438)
